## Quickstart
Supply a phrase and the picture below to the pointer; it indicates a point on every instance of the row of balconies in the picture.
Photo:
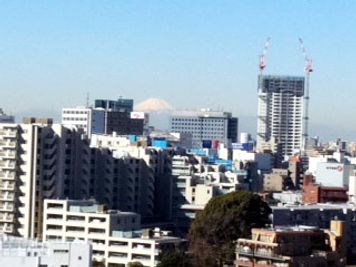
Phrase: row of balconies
(251, 263)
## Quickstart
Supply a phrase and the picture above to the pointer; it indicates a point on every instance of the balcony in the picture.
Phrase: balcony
(8, 154)
(7, 197)
(8, 133)
(8, 144)
(7, 207)
(7, 176)
(8, 165)
(6, 218)
(8, 229)
(262, 255)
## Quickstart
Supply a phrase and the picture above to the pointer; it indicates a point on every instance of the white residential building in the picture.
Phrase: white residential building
(280, 113)
(205, 125)
(35, 163)
(115, 236)
(16, 251)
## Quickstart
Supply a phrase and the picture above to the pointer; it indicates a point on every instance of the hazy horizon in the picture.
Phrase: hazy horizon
(191, 53)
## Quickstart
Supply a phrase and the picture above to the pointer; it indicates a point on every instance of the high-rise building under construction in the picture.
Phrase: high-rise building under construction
(280, 113)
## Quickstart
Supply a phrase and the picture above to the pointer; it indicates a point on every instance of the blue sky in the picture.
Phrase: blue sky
(190, 53)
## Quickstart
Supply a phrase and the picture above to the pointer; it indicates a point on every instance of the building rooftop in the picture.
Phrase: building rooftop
(320, 206)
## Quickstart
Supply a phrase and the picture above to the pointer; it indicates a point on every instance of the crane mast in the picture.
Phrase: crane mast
(308, 69)
(262, 133)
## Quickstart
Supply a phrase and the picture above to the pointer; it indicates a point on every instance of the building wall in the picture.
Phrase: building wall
(280, 112)
(112, 243)
(16, 251)
(80, 117)
(205, 125)
(333, 174)
(320, 215)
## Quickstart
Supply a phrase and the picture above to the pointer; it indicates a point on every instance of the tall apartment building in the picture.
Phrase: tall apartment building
(38, 160)
(131, 176)
(117, 237)
(205, 125)
(27, 165)
(280, 113)
(4, 118)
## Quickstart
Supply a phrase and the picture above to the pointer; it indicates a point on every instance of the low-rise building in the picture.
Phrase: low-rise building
(117, 237)
(293, 246)
(320, 215)
(16, 251)
(316, 193)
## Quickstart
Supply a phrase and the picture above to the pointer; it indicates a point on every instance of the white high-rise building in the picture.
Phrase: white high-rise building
(35, 163)
(280, 113)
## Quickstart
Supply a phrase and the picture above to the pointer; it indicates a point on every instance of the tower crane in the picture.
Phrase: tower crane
(262, 134)
(262, 63)
(308, 69)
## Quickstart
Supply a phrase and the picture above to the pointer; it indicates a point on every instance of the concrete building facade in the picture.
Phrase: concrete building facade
(293, 246)
(16, 251)
(90, 120)
(116, 237)
(205, 125)
(320, 215)
(280, 112)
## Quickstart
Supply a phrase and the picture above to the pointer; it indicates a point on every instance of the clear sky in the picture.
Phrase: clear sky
(190, 53)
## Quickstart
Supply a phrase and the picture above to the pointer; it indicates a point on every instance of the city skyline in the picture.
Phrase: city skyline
(58, 52)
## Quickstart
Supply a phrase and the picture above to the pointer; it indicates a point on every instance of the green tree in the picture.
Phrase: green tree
(225, 218)
(174, 259)
(135, 264)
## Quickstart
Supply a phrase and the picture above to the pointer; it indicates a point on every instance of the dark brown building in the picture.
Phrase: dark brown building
(315, 193)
